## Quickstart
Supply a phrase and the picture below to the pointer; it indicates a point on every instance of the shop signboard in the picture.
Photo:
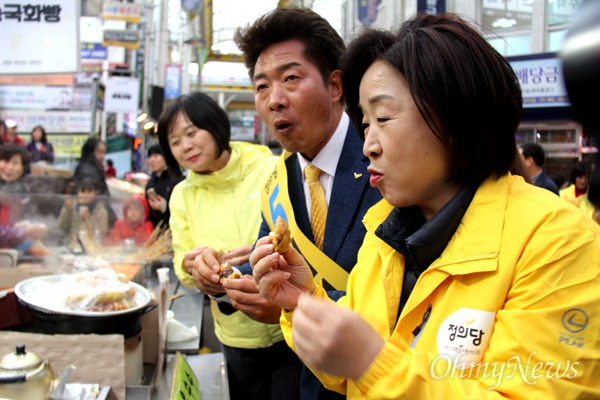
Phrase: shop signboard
(39, 37)
(128, 38)
(541, 79)
(53, 79)
(36, 97)
(129, 12)
(122, 95)
(93, 51)
(66, 145)
(52, 121)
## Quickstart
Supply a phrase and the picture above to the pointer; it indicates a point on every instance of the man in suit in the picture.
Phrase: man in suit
(534, 157)
(293, 60)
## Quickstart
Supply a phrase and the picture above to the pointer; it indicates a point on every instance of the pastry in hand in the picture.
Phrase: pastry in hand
(228, 272)
(281, 236)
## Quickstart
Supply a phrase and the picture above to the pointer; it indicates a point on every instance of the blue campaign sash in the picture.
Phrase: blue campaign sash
(276, 203)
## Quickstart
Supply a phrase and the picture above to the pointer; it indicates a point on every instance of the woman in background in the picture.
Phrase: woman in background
(160, 186)
(14, 165)
(577, 191)
(39, 147)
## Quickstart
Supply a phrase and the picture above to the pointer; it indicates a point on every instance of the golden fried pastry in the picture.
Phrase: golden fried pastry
(227, 272)
(281, 236)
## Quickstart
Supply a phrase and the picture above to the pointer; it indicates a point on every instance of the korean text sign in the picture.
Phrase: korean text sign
(39, 36)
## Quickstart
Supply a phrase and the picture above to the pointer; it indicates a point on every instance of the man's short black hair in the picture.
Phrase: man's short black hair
(534, 151)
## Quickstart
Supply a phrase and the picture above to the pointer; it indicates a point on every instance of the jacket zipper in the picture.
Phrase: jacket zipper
(416, 331)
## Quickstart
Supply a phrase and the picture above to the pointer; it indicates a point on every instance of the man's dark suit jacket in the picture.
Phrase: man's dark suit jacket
(543, 180)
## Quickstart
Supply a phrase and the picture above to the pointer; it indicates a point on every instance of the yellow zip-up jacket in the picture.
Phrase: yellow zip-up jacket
(222, 211)
(582, 202)
(514, 305)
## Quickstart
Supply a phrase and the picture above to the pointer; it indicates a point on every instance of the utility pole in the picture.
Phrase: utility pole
(148, 13)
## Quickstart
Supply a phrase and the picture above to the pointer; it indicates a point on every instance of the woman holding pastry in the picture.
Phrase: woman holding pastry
(215, 218)
(471, 283)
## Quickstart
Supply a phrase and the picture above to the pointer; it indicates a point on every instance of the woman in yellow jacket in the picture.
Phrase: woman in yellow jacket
(216, 210)
(471, 283)
(577, 191)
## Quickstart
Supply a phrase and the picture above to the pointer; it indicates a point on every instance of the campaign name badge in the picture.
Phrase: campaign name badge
(464, 335)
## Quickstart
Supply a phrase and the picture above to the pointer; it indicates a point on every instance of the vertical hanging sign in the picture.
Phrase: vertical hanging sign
(172, 81)
(122, 95)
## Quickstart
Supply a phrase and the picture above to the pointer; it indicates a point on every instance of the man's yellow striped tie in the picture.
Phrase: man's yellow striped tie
(318, 211)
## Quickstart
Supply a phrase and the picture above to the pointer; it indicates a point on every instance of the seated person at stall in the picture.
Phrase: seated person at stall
(24, 237)
(85, 212)
(134, 224)
(14, 165)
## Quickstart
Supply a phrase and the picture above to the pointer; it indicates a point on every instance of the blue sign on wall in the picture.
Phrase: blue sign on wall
(367, 11)
(93, 51)
(431, 6)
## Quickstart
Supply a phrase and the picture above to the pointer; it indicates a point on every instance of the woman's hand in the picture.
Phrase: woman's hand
(333, 339)
(239, 256)
(280, 278)
(245, 297)
(69, 202)
(157, 203)
(205, 267)
(35, 231)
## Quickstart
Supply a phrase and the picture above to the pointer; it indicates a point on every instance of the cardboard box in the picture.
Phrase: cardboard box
(9, 277)
(97, 358)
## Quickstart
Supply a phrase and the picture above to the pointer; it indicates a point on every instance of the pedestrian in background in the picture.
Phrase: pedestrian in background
(14, 165)
(160, 186)
(577, 192)
(465, 268)
(534, 157)
(2, 131)
(110, 171)
(39, 147)
(11, 136)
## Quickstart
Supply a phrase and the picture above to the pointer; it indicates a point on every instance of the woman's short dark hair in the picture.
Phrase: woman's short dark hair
(44, 138)
(467, 92)
(155, 149)
(323, 45)
(580, 169)
(204, 113)
(86, 183)
(7, 151)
